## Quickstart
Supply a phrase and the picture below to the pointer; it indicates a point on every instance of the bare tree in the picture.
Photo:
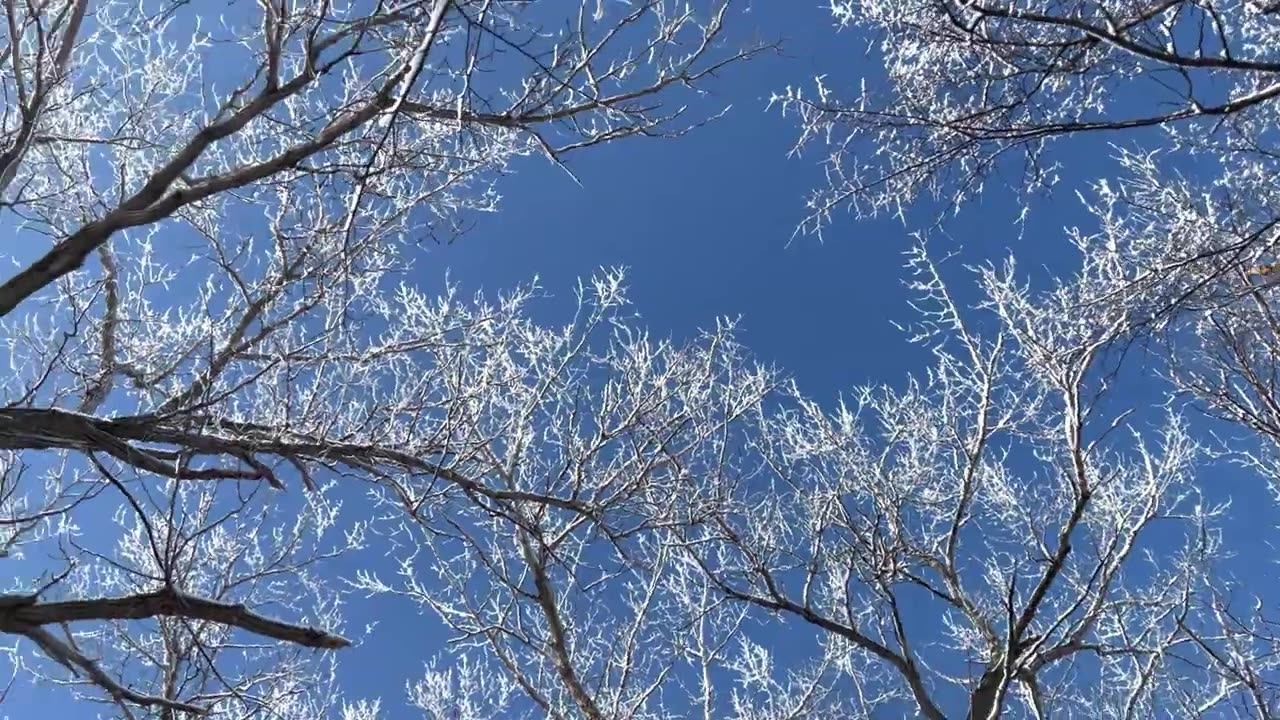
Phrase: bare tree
(1180, 252)
(976, 85)
(213, 215)
(612, 526)
(587, 611)
(1184, 225)
(995, 538)
(999, 537)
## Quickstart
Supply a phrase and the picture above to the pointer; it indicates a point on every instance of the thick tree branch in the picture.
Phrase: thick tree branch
(19, 611)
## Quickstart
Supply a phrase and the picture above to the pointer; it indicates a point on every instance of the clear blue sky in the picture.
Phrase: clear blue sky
(704, 223)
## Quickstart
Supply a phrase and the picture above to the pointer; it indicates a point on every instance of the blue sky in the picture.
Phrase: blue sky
(704, 224)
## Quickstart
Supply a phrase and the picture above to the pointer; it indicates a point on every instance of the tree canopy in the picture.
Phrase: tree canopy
(231, 388)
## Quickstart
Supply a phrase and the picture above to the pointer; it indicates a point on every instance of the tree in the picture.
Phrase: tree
(1187, 92)
(217, 214)
(974, 86)
(611, 526)
(987, 539)
(1000, 536)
